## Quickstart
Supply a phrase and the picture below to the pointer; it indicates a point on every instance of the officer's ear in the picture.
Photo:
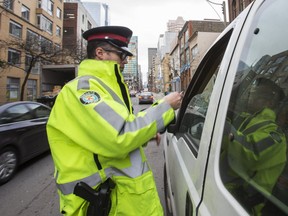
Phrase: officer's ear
(99, 53)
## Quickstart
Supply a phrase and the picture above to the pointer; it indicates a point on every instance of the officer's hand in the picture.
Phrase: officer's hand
(174, 99)
(157, 138)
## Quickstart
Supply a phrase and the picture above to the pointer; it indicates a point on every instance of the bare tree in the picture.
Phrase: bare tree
(36, 50)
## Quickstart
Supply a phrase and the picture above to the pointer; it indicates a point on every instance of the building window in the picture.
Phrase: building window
(187, 56)
(46, 5)
(15, 29)
(45, 24)
(46, 45)
(12, 89)
(89, 25)
(32, 40)
(25, 12)
(8, 4)
(31, 89)
(186, 36)
(35, 68)
(28, 59)
(194, 52)
(14, 57)
(59, 13)
(50, 8)
(182, 43)
(58, 31)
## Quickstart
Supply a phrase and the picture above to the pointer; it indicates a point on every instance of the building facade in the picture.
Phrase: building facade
(175, 25)
(235, 7)
(174, 78)
(194, 39)
(32, 23)
(76, 21)
(99, 12)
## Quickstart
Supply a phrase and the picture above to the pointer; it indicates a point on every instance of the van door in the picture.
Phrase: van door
(247, 170)
(187, 145)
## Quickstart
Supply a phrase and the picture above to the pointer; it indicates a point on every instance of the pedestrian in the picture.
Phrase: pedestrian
(96, 140)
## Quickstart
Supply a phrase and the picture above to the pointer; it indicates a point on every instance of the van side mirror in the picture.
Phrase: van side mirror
(172, 126)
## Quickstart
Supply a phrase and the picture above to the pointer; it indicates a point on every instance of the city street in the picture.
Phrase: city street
(32, 191)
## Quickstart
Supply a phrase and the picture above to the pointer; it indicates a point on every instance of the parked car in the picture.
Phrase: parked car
(47, 100)
(22, 135)
(204, 173)
(146, 97)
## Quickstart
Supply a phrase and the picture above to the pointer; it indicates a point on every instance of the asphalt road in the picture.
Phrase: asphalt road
(32, 191)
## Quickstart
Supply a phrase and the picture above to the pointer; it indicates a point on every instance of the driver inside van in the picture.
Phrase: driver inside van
(255, 152)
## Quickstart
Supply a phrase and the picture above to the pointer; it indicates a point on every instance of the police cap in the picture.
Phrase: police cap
(117, 36)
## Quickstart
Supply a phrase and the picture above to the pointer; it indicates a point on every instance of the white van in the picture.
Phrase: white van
(226, 152)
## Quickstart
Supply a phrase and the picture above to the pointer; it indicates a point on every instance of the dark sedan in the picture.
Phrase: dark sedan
(146, 97)
(22, 135)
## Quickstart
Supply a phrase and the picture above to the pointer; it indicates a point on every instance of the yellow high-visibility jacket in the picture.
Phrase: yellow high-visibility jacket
(93, 135)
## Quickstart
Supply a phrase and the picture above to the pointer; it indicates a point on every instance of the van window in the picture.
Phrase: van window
(199, 92)
(253, 160)
(192, 123)
(194, 117)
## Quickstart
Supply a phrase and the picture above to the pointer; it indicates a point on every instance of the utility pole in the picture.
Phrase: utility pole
(224, 12)
(223, 5)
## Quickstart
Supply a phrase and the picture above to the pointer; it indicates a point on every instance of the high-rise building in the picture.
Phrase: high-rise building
(99, 12)
(152, 54)
(130, 73)
(175, 25)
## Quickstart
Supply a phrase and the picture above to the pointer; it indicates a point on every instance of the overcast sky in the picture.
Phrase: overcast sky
(148, 18)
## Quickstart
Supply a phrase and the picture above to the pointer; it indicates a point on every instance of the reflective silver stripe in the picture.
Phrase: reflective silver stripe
(136, 169)
(115, 120)
(152, 114)
(112, 93)
(256, 127)
(68, 188)
(83, 83)
(110, 115)
(255, 147)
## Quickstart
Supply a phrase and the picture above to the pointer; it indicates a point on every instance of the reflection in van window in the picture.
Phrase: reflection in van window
(253, 163)
(195, 114)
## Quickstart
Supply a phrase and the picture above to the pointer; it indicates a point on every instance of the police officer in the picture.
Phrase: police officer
(256, 154)
(94, 135)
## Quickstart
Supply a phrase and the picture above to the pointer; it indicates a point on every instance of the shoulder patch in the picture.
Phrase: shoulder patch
(89, 97)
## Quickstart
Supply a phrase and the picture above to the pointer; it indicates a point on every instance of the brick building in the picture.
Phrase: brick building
(37, 22)
(236, 6)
